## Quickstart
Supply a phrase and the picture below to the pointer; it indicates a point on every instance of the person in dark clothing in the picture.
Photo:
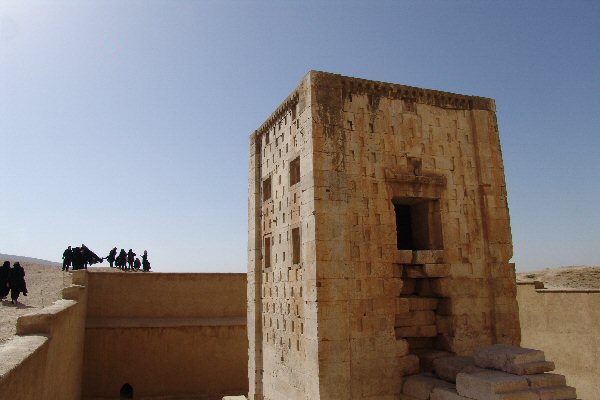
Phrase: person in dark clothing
(137, 264)
(89, 257)
(4, 280)
(145, 262)
(17, 283)
(121, 260)
(67, 259)
(77, 260)
(130, 259)
(112, 255)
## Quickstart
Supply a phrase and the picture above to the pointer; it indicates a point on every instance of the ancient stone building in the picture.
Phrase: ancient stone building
(379, 238)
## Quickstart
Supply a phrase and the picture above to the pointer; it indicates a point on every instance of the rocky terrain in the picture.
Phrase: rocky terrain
(571, 277)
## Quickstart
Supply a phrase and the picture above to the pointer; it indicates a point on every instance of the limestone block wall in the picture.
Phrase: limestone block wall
(375, 304)
(380, 149)
(173, 335)
(564, 324)
(282, 305)
(44, 360)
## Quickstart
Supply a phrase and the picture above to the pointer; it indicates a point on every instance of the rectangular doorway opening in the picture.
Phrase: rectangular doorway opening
(418, 224)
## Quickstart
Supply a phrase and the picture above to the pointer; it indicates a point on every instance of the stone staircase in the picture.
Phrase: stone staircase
(496, 372)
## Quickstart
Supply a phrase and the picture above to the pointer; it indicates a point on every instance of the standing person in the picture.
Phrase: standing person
(121, 261)
(17, 283)
(4, 280)
(137, 264)
(145, 262)
(89, 256)
(130, 258)
(77, 259)
(112, 255)
(67, 259)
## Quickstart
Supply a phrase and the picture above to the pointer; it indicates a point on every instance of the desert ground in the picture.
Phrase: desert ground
(571, 277)
(44, 284)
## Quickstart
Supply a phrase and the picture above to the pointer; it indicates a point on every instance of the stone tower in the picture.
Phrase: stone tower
(379, 237)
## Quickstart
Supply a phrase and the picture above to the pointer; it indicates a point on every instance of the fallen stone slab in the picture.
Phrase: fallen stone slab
(484, 385)
(557, 393)
(532, 368)
(546, 380)
(420, 386)
(508, 358)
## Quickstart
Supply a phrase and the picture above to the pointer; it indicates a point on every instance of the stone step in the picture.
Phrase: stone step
(546, 380)
(420, 386)
(416, 331)
(422, 303)
(532, 368)
(557, 393)
(483, 385)
(508, 358)
(448, 367)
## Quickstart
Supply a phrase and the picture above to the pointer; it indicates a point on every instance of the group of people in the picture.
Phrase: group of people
(128, 261)
(81, 257)
(12, 280)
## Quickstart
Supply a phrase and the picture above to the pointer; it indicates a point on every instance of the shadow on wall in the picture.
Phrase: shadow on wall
(564, 324)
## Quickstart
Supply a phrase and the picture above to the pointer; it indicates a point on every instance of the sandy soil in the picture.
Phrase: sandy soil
(44, 284)
(572, 277)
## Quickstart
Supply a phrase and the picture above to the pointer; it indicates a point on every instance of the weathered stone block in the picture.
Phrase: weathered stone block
(510, 358)
(486, 384)
(546, 380)
(420, 386)
(448, 367)
(428, 356)
(518, 395)
(538, 367)
(402, 305)
(414, 318)
(428, 256)
(403, 256)
(416, 331)
(422, 303)
(427, 270)
(557, 393)
(409, 365)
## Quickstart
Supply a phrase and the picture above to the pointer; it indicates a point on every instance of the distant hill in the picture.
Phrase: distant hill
(30, 260)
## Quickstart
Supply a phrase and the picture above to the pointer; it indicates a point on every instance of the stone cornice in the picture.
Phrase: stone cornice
(410, 93)
(431, 97)
(288, 103)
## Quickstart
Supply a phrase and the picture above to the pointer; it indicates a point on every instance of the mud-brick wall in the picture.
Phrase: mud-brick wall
(44, 359)
(564, 324)
(169, 335)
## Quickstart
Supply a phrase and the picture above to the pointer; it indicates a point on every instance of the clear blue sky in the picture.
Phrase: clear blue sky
(126, 123)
